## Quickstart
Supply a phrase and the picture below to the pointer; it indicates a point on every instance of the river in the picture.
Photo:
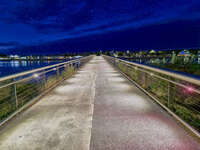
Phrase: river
(13, 67)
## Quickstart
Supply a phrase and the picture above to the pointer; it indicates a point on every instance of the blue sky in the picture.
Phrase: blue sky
(25, 23)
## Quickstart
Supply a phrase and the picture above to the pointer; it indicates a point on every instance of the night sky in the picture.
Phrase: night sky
(59, 26)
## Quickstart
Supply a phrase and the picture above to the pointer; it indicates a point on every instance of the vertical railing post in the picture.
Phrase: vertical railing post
(145, 80)
(79, 63)
(71, 69)
(57, 72)
(45, 80)
(170, 95)
(64, 71)
(67, 71)
(126, 69)
(136, 73)
(15, 92)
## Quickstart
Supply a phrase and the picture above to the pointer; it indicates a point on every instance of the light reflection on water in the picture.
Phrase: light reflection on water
(15, 66)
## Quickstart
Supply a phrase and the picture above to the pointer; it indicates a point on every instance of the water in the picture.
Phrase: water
(13, 67)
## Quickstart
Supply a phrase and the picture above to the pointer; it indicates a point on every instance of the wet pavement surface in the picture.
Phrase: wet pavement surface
(97, 109)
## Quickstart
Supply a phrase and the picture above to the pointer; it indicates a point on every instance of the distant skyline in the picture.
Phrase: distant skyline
(48, 26)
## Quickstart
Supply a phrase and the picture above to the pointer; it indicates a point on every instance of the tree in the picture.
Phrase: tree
(3, 55)
(193, 51)
(164, 60)
(174, 58)
(120, 54)
(107, 53)
(98, 53)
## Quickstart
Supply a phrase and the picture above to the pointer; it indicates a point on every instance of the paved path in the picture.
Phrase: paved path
(60, 121)
(123, 118)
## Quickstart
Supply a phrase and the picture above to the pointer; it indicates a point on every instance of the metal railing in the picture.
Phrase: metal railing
(19, 89)
(178, 93)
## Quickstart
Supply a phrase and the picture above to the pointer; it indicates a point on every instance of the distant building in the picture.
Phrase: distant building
(23, 57)
(184, 53)
(152, 51)
(75, 57)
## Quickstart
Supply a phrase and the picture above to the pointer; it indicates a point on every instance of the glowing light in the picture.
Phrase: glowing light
(151, 74)
(35, 75)
(190, 89)
(54, 69)
(136, 68)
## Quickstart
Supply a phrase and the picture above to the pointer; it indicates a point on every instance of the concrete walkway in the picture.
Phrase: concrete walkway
(124, 118)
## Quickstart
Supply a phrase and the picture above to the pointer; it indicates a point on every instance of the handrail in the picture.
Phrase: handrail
(179, 99)
(165, 79)
(24, 89)
(39, 69)
(171, 74)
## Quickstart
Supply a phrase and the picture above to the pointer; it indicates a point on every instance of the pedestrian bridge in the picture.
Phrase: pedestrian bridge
(96, 108)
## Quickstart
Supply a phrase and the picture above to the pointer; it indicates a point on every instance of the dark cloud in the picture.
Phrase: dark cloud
(51, 14)
(66, 15)
(49, 21)
(9, 44)
(164, 36)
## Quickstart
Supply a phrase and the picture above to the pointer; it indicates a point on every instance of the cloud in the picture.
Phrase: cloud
(68, 19)
(49, 14)
(79, 15)
(9, 43)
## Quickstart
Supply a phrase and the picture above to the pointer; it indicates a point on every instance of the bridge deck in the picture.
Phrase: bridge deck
(97, 109)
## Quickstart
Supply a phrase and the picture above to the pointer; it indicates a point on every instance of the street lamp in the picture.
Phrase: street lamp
(35, 75)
